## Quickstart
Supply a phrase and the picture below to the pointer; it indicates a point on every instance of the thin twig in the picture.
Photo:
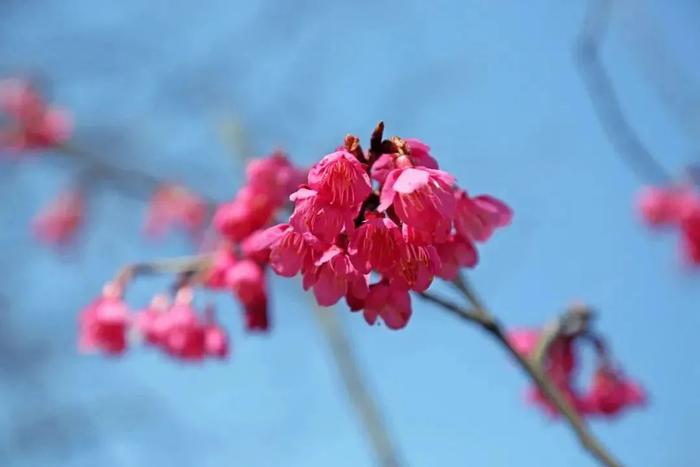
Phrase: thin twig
(356, 388)
(490, 324)
(193, 264)
(604, 98)
(574, 322)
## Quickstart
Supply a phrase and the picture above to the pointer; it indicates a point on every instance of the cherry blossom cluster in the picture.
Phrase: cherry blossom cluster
(390, 213)
(608, 393)
(676, 207)
(108, 325)
(232, 266)
(33, 124)
(237, 267)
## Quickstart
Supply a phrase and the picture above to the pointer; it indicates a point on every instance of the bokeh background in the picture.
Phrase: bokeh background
(493, 88)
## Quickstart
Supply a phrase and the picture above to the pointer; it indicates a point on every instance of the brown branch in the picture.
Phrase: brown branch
(185, 265)
(481, 316)
(604, 98)
(574, 322)
(356, 388)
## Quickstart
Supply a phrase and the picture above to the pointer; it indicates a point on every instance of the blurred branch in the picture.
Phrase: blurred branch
(487, 321)
(604, 98)
(356, 388)
(130, 181)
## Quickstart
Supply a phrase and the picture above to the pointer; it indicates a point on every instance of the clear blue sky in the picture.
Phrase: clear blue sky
(490, 85)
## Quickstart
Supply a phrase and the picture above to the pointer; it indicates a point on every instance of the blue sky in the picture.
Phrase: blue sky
(491, 86)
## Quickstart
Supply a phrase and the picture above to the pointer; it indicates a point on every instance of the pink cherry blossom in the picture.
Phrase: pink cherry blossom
(477, 218)
(247, 280)
(275, 176)
(333, 276)
(391, 303)
(223, 261)
(174, 205)
(249, 211)
(418, 265)
(59, 221)
(376, 244)
(315, 215)
(455, 254)
(340, 179)
(610, 393)
(103, 324)
(152, 322)
(35, 125)
(216, 342)
(418, 156)
(422, 198)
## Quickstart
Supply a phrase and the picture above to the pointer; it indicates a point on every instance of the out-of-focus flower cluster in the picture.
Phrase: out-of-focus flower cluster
(388, 212)
(33, 124)
(232, 266)
(676, 207)
(607, 394)
(176, 328)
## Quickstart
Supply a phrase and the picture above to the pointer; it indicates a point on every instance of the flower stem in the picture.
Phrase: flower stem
(356, 388)
(482, 317)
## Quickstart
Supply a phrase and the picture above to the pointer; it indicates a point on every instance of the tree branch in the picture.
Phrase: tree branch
(604, 98)
(356, 388)
(481, 316)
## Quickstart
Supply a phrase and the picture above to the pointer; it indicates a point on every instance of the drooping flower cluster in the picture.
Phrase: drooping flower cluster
(608, 393)
(391, 212)
(233, 266)
(175, 328)
(33, 124)
(237, 267)
(675, 207)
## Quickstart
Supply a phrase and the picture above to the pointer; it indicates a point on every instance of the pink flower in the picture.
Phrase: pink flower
(418, 265)
(247, 280)
(223, 261)
(477, 218)
(174, 205)
(288, 250)
(455, 254)
(334, 276)
(377, 244)
(524, 340)
(611, 392)
(392, 304)
(184, 334)
(340, 179)
(152, 322)
(249, 211)
(59, 221)
(657, 206)
(313, 214)
(422, 198)
(690, 237)
(275, 176)
(36, 125)
(418, 156)
(256, 314)
(103, 324)
(216, 341)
